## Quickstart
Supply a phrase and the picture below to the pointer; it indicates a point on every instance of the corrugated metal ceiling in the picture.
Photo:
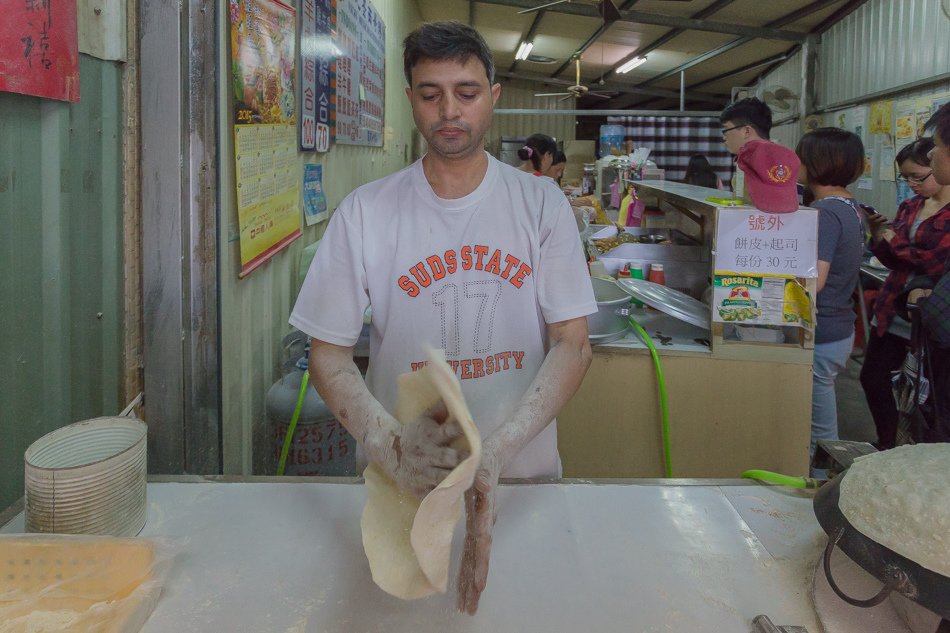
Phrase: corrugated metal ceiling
(563, 30)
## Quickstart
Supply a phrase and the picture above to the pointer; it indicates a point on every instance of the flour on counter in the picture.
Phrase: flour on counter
(901, 499)
(42, 622)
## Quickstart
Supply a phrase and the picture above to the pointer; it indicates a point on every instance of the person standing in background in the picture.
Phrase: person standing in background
(916, 243)
(556, 170)
(831, 160)
(538, 154)
(743, 121)
(700, 173)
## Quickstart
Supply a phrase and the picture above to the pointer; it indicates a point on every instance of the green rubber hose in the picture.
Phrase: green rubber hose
(782, 480)
(664, 411)
(282, 464)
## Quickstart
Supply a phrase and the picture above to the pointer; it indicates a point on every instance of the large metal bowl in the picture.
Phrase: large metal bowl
(609, 323)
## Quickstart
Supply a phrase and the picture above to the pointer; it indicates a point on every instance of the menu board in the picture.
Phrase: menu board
(39, 49)
(360, 74)
(318, 65)
(267, 170)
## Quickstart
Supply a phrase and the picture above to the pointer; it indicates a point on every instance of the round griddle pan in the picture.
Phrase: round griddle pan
(925, 587)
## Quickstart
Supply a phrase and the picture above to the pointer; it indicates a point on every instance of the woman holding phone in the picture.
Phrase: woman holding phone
(915, 244)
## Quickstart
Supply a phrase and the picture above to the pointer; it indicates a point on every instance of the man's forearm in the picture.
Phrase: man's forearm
(340, 384)
(558, 379)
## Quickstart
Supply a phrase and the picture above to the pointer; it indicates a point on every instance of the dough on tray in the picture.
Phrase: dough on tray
(901, 499)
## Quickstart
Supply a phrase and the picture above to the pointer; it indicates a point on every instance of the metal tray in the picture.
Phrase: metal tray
(924, 586)
(669, 301)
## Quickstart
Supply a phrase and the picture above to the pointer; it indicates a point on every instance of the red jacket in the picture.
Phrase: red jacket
(925, 257)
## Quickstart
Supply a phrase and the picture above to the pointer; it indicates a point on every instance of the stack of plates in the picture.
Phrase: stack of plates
(88, 478)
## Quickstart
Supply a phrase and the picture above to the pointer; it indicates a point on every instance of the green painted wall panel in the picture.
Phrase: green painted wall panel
(60, 263)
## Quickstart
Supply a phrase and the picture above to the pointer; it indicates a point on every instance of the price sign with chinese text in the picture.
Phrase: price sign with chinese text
(39, 49)
(317, 68)
(752, 241)
(360, 74)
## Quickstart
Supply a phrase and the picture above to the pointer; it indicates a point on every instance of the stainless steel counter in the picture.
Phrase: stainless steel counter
(685, 556)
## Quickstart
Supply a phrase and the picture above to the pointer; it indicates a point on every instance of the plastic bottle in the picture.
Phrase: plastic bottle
(625, 208)
(636, 272)
(624, 272)
(657, 274)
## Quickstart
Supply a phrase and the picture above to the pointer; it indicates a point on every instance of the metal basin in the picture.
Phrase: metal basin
(609, 323)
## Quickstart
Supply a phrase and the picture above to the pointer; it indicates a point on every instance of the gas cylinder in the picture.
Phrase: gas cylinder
(320, 446)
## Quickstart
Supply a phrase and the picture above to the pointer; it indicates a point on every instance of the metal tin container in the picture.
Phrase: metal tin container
(88, 478)
(609, 323)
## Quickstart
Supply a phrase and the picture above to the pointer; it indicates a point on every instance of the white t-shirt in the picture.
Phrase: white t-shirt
(478, 276)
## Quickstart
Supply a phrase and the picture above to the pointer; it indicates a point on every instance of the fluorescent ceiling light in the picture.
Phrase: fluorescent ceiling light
(524, 50)
(630, 65)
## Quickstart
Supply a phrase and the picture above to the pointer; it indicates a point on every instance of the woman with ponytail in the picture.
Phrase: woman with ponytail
(538, 154)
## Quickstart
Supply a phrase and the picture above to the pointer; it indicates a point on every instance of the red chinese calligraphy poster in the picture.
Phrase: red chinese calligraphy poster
(39, 48)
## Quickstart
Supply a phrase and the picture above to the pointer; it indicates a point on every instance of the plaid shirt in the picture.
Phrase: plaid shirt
(926, 256)
(935, 312)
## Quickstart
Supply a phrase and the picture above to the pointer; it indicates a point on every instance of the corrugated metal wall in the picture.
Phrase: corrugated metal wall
(254, 310)
(788, 75)
(520, 94)
(882, 45)
(60, 263)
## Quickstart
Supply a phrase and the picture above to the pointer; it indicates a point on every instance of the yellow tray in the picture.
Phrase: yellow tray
(56, 583)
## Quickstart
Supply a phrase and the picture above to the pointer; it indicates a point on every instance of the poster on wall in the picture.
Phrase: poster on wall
(905, 122)
(881, 114)
(314, 201)
(267, 172)
(39, 49)
(866, 181)
(318, 53)
(360, 74)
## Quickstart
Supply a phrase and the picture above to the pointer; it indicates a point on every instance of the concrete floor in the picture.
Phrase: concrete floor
(854, 418)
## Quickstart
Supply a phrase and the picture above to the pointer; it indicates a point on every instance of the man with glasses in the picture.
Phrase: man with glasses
(743, 121)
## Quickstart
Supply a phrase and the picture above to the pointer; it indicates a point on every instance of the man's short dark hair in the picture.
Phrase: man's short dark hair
(916, 152)
(749, 111)
(940, 123)
(449, 40)
(831, 156)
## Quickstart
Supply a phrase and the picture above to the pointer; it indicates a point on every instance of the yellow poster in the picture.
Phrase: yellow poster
(905, 124)
(881, 113)
(267, 169)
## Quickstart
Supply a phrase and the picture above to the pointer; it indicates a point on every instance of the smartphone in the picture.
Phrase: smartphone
(868, 209)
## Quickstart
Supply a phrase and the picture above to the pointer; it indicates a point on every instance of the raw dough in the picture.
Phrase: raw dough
(407, 541)
(901, 499)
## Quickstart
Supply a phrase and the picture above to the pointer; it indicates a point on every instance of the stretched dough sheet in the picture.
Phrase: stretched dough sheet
(61, 583)
(408, 542)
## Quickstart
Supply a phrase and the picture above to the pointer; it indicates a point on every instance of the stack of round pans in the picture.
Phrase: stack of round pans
(88, 478)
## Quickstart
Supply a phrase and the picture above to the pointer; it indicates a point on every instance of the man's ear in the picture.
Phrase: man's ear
(409, 94)
(495, 93)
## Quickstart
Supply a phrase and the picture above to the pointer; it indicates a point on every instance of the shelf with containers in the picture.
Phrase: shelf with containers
(739, 395)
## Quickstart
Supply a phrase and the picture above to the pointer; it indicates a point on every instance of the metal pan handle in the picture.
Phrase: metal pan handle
(896, 579)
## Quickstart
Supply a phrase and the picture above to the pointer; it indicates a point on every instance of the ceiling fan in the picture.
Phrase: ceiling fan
(577, 90)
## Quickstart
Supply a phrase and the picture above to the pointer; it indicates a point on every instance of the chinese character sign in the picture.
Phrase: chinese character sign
(267, 170)
(751, 241)
(318, 66)
(39, 49)
(360, 74)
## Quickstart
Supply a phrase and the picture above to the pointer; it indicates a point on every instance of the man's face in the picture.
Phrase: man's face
(452, 105)
(940, 161)
(735, 135)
